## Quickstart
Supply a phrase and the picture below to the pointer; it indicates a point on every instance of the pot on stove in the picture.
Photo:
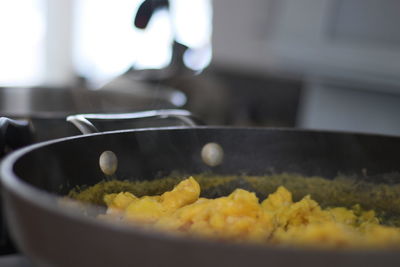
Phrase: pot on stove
(30, 115)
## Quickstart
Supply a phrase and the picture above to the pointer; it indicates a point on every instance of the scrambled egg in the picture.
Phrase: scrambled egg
(241, 217)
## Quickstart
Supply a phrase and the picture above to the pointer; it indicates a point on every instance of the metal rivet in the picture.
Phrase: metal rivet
(108, 162)
(212, 154)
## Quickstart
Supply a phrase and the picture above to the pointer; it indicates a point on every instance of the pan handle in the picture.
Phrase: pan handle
(84, 121)
(14, 134)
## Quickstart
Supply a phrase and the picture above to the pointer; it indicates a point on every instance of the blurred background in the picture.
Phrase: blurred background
(318, 64)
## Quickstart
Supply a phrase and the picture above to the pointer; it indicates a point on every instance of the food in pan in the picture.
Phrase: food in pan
(242, 217)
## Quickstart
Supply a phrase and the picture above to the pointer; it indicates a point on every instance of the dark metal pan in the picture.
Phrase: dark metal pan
(36, 176)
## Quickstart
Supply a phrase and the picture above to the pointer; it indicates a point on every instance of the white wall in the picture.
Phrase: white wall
(351, 43)
(239, 33)
(330, 107)
(311, 38)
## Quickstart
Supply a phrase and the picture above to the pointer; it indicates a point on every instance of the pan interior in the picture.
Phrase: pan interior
(336, 169)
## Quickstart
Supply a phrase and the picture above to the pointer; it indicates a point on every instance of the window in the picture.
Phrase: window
(22, 35)
(51, 42)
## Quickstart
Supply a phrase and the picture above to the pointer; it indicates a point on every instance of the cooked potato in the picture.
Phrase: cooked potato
(241, 217)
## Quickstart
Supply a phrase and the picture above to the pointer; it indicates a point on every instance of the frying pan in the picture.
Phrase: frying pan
(36, 176)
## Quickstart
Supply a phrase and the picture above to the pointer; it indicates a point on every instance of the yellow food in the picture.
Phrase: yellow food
(240, 217)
